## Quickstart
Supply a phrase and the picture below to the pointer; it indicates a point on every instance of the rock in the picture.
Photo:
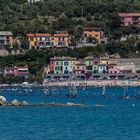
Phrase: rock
(15, 103)
(24, 103)
(73, 104)
(55, 104)
(2, 103)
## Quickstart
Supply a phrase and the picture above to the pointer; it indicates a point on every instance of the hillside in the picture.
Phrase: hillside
(70, 15)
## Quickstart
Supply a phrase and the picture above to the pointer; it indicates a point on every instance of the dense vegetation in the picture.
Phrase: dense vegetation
(68, 15)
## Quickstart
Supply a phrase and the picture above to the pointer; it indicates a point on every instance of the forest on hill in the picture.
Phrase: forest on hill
(69, 15)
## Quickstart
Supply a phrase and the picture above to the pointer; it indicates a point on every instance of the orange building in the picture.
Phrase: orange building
(93, 35)
(61, 40)
(6, 39)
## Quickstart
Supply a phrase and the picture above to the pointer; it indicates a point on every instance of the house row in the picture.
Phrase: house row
(46, 40)
(91, 36)
(90, 65)
(14, 71)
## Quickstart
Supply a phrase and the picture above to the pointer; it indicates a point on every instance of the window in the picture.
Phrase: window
(85, 35)
(63, 38)
(66, 68)
(31, 38)
(96, 35)
(66, 63)
(59, 39)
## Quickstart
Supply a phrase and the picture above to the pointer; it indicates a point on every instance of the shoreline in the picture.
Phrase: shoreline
(79, 83)
(96, 83)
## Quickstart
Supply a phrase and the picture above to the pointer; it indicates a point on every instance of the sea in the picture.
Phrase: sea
(114, 116)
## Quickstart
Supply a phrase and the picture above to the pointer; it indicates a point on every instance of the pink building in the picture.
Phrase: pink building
(113, 68)
(80, 68)
(130, 18)
(15, 71)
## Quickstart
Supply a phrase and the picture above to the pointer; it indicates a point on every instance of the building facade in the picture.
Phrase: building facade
(130, 18)
(14, 71)
(62, 65)
(33, 1)
(6, 39)
(45, 40)
(40, 40)
(93, 36)
(61, 40)
(89, 66)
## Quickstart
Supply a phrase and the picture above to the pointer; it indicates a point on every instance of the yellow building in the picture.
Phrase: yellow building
(6, 39)
(39, 40)
(44, 40)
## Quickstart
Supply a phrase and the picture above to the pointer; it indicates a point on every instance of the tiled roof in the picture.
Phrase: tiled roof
(61, 35)
(6, 33)
(39, 35)
(129, 14)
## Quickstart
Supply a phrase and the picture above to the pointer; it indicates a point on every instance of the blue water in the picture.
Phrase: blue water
(119, 119)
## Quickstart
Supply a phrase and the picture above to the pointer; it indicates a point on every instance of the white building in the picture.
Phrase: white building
(33, 1)
(126, 67)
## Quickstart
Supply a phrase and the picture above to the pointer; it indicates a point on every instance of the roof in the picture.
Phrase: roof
(61, 35)
(129, 14)
(8, 33)
(39, 35)
(92, 28)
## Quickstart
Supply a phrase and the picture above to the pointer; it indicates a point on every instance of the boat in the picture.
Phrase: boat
(72, 91)
(103, 92)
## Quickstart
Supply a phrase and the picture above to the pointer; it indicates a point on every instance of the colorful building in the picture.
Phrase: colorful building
(93, 36)
(61, 40)
(6, 39)
(45, 40)
(80, 68)
(40, 40)
(62, 65)
(89, 66)
(130, 18)
(14, 71)
(113, 68)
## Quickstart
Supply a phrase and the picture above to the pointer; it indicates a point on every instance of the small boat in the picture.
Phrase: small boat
(72, 92)
(103, 92)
